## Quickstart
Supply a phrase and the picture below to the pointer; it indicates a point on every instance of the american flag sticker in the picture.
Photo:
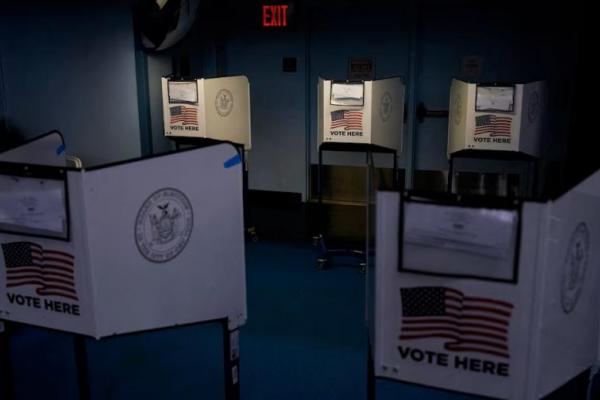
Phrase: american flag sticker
(493, 125)
(51, 272)
(465, 323)
(184, 115)
(346, 119)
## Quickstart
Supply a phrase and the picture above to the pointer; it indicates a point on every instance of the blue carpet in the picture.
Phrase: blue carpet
(305, 339)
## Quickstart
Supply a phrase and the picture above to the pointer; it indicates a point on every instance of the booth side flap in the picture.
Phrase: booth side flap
(166, 240)
(570, 319)
(45, 281)
(227, 108)
(47, 149)
(465, 334)
(387, 113)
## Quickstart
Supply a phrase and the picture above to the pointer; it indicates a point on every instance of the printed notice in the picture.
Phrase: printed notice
(183, 91)
(347, 94)
(486, 232)
(32, 205)
(495, 98)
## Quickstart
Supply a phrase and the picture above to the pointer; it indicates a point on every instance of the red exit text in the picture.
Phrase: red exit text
(274, 15)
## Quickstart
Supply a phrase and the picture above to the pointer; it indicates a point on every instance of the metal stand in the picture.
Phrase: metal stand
(5, 364)
(371, 380)
(529, 189)
(231, 358)
(81, 362)
(231, 362)
(324, 254)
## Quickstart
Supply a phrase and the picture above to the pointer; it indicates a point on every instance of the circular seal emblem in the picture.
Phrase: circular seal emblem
(385, 109)
(576, 262)
(457, 109)
(163, 225)
(533, 106)
(224, 102)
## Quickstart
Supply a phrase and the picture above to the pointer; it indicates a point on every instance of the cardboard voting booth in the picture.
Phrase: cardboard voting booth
(215, 108)
(366, 112)
(126, 247)
(496, 117)
(486, 297)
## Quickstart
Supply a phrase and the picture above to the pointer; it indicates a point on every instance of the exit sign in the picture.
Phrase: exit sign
(277, 15)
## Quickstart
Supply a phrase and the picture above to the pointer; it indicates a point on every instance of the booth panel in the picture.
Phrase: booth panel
(166, 240)
(532, 117)
(460, 102)
(183, 108)
(494, 130)
(47, 149)
(227, 108)
(346, 112)
(496, 117)
(387, 114)
(569, 319)
(46, 281)
(462, 334)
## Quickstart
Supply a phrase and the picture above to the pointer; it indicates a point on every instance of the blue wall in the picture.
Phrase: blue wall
(72, 68)
(277, 160)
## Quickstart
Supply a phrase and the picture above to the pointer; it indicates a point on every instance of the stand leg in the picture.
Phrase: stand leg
(81, 362)
(231, 362)
(396, 180)
(450, 173)
(371, 387)
(318, 240)
(368, 212)
(5, 364)
(320, 191)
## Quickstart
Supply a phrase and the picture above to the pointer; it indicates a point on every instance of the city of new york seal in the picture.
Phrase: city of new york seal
(575, 266)
(163, 225)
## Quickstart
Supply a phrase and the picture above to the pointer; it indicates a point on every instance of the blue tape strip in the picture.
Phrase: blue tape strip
(60, 149)
(235, 160)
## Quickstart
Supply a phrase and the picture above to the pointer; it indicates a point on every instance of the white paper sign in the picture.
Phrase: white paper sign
(486, 232)
(495, 98)
(183, 91)
(32, 204)
(347, 94)
(459, 241)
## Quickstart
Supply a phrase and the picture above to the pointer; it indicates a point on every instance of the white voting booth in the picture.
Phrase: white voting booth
(138, 245)
(496, 117)
(127, 247)
(487, 297)
(366, 112)
(215, 108)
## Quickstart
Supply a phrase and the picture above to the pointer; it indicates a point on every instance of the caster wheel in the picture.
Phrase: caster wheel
(321, 264)
(363, 268)
(316, 240)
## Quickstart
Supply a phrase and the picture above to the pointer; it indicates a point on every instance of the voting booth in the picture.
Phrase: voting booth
(487, 296)
(215, 108)
(127, 247)
(358, 116)
(366, 112)
(496, 117)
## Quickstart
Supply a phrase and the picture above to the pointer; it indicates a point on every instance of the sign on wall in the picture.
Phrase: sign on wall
(361, 68)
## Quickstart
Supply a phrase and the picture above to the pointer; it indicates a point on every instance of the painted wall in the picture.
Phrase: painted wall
(159, 65)
(277, 160)
(72, 68)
